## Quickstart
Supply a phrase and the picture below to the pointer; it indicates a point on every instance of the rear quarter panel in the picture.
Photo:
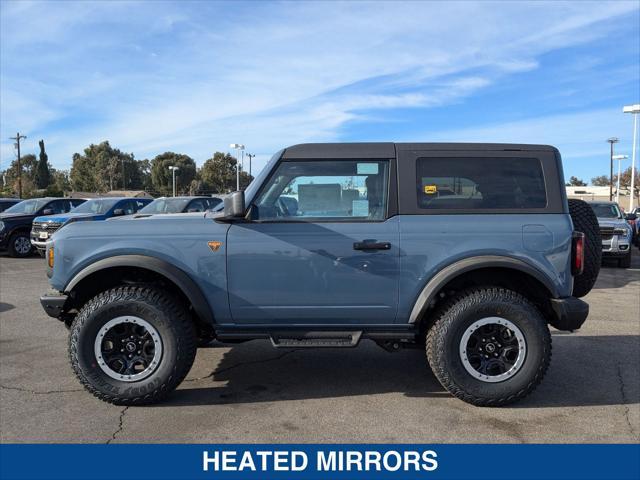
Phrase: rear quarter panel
(429, 243)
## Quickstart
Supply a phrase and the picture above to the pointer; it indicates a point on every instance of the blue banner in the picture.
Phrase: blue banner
(291, 461)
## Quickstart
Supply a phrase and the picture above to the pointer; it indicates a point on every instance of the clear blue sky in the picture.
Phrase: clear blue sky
(192, 77)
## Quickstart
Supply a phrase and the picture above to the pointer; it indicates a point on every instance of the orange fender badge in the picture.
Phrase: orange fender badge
(214, 246)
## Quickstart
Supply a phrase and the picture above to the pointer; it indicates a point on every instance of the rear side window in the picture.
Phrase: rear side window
(480, 183)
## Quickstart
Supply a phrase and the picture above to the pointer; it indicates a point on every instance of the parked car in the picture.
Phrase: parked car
(363, 247)
(15, 222)
(93, 210)
(8, 202)
(180, 205)
(616, 233)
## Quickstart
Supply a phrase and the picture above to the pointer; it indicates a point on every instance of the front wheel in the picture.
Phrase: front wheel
(489, 347)
(132, 345)
(20, 245)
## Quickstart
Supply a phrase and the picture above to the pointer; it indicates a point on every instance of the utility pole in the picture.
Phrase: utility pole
(17, 138)
(250, 155)
(124, 184)
(611, 140)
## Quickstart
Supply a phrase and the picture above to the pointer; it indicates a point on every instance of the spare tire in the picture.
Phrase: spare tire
(585, 221)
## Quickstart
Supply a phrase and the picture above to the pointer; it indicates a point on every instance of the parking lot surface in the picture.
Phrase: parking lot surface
(252, 392)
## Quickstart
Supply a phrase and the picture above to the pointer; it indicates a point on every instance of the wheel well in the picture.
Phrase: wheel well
(509, 278)
(110, 277)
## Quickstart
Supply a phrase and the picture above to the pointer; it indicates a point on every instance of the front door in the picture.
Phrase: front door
(320, 249)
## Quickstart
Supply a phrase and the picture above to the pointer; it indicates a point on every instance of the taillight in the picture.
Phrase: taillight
(50, 256)
(577, 253)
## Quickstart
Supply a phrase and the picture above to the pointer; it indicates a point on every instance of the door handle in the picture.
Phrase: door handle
(366, 245)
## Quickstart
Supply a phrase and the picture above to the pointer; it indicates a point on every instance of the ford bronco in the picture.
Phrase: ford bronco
(332, 244)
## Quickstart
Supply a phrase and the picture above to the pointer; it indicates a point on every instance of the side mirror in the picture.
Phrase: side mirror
(47, 211)
(233, 206)
(630, 216)
(118, 212)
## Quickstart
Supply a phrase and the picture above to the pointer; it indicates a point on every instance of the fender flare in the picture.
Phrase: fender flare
(182, 280)
(460, 267)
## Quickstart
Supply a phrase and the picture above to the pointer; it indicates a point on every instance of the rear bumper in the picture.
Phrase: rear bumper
(53, 303)
(570, 313)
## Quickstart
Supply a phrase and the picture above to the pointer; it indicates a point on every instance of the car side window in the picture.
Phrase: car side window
(213, 202)
(129, 207)
(326, 190)
(76, 202)
(196, 205)
(480, 183)
(138, 204)
(58, 206)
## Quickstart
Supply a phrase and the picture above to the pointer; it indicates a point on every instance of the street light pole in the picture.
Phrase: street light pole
(611, 140)
(238, 147)
(17, 138)
(250, 155)
(619, 158)
(635, 110)
(173, 169)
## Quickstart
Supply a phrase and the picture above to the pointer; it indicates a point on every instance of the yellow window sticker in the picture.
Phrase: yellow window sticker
(430, 189)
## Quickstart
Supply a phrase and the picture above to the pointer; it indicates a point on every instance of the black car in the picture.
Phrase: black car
(180, 205)
(8, 202)
(15, 222)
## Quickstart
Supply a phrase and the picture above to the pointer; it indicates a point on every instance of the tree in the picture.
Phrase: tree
(100, 169)
(60, 183)
(28, 165)
(576, 182)
(161, 176)
(42, 173)
(218, 174)
(601, 181)
(625, 179)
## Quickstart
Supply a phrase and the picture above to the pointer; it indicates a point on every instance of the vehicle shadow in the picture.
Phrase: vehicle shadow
(612, 276)
(5, 307)
(586, 370)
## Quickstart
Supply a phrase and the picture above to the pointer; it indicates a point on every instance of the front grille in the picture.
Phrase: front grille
(606, 233)
(46, 226)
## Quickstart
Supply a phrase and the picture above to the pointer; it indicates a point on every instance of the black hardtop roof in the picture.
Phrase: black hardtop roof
(389, 149)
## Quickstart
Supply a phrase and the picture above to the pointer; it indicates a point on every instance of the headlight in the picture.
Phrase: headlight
(1, 226)
(623, 231)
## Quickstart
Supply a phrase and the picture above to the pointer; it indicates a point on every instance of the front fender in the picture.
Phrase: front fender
(189, 288)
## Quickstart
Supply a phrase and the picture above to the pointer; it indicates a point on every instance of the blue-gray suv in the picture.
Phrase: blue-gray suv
(332, 244)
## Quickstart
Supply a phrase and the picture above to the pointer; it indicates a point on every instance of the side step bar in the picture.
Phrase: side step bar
(316, 339)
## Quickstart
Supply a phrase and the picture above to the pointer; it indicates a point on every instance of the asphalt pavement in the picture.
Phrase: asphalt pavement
(251, 392)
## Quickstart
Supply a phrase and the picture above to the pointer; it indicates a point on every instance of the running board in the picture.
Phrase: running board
(316, 339)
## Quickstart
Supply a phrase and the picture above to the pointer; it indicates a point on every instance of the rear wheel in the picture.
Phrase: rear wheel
(585, 221)
(489, 347)
(132, 345)
(20, 245)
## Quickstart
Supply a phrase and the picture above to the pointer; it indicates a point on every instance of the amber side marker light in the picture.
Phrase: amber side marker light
(214, 246)
(50, 256)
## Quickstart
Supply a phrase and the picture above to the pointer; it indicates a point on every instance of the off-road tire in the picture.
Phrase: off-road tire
(625, 262)
(444, 336)
(585, 221)
(12, 245)
(164, 312)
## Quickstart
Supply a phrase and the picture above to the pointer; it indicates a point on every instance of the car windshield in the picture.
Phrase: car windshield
(166, 205)
(606, 210)
(97, 206)
(27, 206)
